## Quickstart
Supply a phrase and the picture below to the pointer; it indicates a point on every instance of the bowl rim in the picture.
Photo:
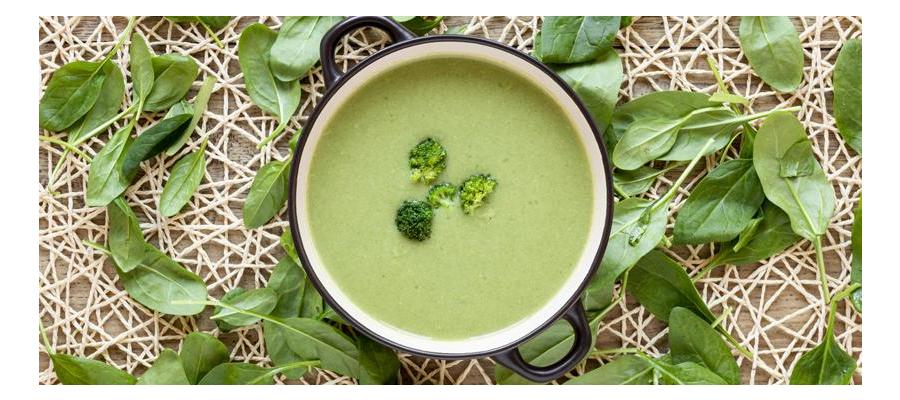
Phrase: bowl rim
(293, 218)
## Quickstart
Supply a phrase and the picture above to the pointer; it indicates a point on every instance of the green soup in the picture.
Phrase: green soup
(477, 273)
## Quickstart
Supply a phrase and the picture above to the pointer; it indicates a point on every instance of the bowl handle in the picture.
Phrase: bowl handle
(332, 73)
(575, 316)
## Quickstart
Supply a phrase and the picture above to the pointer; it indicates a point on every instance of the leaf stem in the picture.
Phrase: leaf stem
(212, 34)
(81, 139)
(308, 364)
(278, 130)
(45, 338)
(121, 40)
(734, 343)
(844, 293)
(671, 192)
(96, 246)
(820, 263)
(68, 147)
(621, 350)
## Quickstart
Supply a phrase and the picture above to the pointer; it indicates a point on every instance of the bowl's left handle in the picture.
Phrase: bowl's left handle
(332, 73)
(575, 316)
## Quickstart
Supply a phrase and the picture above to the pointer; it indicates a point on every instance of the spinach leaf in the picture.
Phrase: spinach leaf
(625, 370)
(721, 205)
(419, 25)
(717, 123)
(268, 193)
(772, 236)
(275, 337)
(313, 339)
(154, 140)
(626, 22)
(161, 284)
(198, 108)
(183, 181)
(847, 103)
(596, 83)
(106, 107)
(275, 97)
(729, 98)
(825, 364)
(287, 280)
(106, 180)
(296, 48)
(548, 347)
(258, 301)
(797, 161)
(637, 227)
(671, 105)
(856, 256)
(71, 370)
(807, 200)
(378, 364)
(644, 141)
(287, 243)
(215, 22)
(688, 373)
(238, 374)
(572, 40)
(227, 298)
(166, 370)
(660, 284)
(142, 75)
(200, 353)
(636, 181)
(126, 240)
(70, 94)
(773, 49)
(173, 75)
(691, 339)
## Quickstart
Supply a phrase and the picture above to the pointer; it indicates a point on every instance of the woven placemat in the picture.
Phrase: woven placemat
(776, 309)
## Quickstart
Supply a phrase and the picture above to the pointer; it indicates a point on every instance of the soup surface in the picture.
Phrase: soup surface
(477, 273)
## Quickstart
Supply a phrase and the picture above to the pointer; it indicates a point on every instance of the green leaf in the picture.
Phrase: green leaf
(644, 141)
(126, 240)
(161, 284)
(807, 200)
(825, 364)
(636, 181)
(747, 233)
(797, 161)
(660, 284)
(296, 48)
(227, 298)
(215, 22)
(153, 141)
(106, 179)
(183, 182)
(716, 123)
(268, 193)
(625, 370)
(730, 98)
(105, 108)
(692, 339)
(277, 348)
(671, 105)
(259, 301)
(71, 370)
(847, 103)
(287, 243)
(200, 353)
(721, 205)
(597, 84)
(419, 25)
(199, 107)
(548, 347)
(856, 256)
(296, 294)
(571, 40)
(312, 339)
(173, 76)
(622, 251)
(239, 374)
(626, 22)
(378, 364)
(166, 370)
(275, 97)
(772, 236)
(773, 49)
(142, 75)
(689, 373)
(70, 94)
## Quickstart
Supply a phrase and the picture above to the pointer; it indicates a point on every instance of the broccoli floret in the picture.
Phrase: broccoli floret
(474, 191)
(441, 195)
(427, 160)
(414, 219)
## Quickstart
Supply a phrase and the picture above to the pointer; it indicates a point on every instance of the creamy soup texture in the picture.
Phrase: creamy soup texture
(477, 273)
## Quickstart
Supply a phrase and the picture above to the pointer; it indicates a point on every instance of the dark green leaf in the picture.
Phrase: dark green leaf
(105, 108)
(161, 284)
(772, 236)
(419, 25)
(748, 233)
(275, 97)
(625, 370)
(296, 48)
(825, 364)
(106, 179)
(692, 339)
(71, 370)
(277, 349)
(652, 138)
(721, 205)
(716, 123)
(287, 243)
(153, 141)
(173, 76)
(548, 347)
(571, 40)
(772, 46)
(200, 353)
(626, 22)
(183, 182)
(198, 108)
(126, 240)
(689, 373)
(238, 374)
(71, 92)
(227, 298)
(378, 364)
(268, 193)
(797, 161)
(621, 250)
(596, 83)
(671, 105)
(215, 22)
(312, 339)
(807, 200)
(166, 370)
(259, 301)
(856, 256)
(635, 182)
(847, 104)
(142, 76)
(660, 284)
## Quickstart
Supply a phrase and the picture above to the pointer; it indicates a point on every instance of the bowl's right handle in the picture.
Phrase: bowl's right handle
(575, 316)
(332, 73)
